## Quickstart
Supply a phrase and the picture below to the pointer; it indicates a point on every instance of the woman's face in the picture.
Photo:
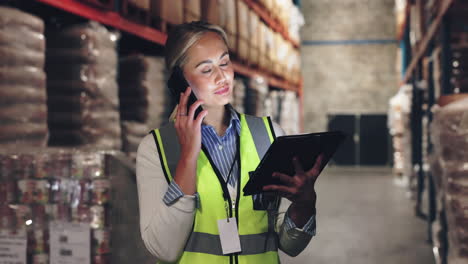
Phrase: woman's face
(209, 70)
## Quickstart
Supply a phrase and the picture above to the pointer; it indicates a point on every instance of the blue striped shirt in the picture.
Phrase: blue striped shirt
(222, 150)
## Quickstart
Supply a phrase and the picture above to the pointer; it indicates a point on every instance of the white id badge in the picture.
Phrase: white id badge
(229, 236)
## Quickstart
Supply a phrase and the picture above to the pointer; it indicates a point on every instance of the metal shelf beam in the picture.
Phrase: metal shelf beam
(421, 51)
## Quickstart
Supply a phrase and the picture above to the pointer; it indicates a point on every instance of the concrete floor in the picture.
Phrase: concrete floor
(364, 218)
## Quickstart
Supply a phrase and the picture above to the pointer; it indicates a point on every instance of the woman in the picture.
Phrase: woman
(190, 172)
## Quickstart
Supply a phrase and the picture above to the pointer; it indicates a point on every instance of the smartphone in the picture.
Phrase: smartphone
(177, 84)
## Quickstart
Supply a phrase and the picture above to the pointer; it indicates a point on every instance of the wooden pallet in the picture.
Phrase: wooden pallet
(104, 4)
(132, 12)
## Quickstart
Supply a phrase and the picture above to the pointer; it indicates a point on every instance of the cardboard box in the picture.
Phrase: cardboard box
(268, 4)
(281, 54)
(254, 56)
(171, 11)
(270, 48)
(232, 42)
(262, 31)
(242, 19)
(192, 10)
(211, 11)
(242, 47)
(254, 22)
(230, 7)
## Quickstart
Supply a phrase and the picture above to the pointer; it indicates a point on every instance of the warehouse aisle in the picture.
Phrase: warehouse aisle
(363, 218)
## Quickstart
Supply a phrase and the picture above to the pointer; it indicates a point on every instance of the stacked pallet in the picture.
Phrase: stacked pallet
(23, 108)
(450, 139)
(399, 127)
(144, 99)
(83, 96)
(239, 91)
(256, 94)
(52, 188)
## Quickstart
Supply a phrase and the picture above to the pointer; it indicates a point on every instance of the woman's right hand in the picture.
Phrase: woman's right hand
(188, 128)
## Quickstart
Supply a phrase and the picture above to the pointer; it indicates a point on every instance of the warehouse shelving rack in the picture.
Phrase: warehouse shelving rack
(423, 98)
(274, 24)
(114, 19)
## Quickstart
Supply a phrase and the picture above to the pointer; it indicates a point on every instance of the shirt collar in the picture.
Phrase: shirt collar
(234, 122)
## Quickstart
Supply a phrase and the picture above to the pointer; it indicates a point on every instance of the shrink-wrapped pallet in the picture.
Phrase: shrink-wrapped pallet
(23, 108)
(239, 93)
(132, 133)
(145, 102)
(83, 96)
(399, 127)
(50, 190)
(289, 113)
(450, 138)
(144, 96)
(257, 91)
(273, 105)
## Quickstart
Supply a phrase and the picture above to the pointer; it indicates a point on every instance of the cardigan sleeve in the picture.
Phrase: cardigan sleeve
(164, 228)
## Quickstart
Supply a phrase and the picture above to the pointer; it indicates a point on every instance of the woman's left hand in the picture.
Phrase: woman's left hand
(300, 188)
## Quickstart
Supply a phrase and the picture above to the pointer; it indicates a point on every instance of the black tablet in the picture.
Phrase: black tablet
(278, 158)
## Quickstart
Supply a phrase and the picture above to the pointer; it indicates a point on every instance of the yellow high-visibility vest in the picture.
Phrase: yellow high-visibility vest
(258, 239)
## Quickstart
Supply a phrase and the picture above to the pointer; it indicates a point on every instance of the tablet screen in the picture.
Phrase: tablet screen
(278, 158)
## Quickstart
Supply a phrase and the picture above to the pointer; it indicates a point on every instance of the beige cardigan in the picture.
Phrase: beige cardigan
(165, 229)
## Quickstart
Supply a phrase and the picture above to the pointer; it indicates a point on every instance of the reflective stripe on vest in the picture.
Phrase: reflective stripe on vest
(263, 134)
(259, 242)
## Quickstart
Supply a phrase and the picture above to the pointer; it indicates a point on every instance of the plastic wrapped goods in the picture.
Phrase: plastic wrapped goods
(23, 108)
(289, 113)
(450, 139)
(37, 188)
(22, 94)
(257, 91)
(132, 134)
(144, 97)
(399, 127)
(238, 100)
(19, 57)
(83, 97)
(14, 18)
(273, 105)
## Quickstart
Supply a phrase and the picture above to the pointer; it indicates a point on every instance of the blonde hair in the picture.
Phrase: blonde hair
(182, 37)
